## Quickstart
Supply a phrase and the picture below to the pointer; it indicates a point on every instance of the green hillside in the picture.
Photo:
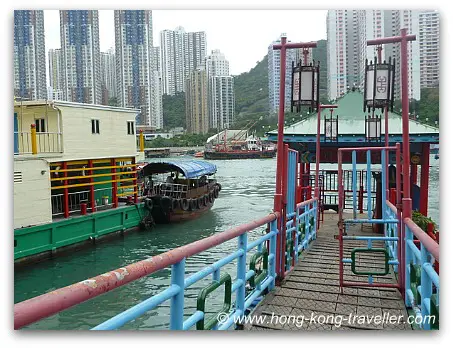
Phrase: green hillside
(251, 90)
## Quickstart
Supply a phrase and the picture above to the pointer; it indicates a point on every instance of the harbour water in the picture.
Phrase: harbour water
(247, 193)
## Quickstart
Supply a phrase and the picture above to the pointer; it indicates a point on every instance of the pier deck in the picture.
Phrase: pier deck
(312, 289)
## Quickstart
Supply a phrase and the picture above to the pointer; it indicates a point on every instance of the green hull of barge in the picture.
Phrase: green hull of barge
(48, 238)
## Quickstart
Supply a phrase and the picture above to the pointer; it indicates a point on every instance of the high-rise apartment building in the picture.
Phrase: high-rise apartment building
(197, 111)
(274, 76)
(347, 33)
(156, 101)
(55, 74)
(194, 51)
(108, 75)
(135, 74)
(221, 102)
(181, 53)
(429, 38)
(29, 77)
(217, 64)
(79, 36)
(220, 91)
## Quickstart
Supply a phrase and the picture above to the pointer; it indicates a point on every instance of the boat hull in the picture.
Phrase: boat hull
(238, 155)
(178, 215)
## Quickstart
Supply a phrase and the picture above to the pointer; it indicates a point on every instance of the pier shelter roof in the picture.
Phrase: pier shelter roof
(351, 125)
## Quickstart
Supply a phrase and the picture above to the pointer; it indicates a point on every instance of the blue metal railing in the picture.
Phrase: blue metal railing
(300, 229)
(423, 289)
(179, 283)
(391, 231)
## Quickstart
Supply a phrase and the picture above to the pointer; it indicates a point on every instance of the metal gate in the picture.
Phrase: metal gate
(388, 219)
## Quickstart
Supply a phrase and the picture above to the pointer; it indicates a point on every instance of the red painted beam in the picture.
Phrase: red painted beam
(34, 309)
(290, 45)
(388, 40)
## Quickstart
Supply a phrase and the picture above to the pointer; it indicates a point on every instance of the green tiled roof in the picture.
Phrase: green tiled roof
(351, 120)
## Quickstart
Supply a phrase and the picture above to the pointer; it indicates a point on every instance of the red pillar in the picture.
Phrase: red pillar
(424, 180)
(284, 203)
(114, 184)
(301, 181)
(413, 178)
(92, 200)
(135, 181)
(65, 191)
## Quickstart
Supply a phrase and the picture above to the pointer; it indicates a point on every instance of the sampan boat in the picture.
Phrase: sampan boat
(176, 191)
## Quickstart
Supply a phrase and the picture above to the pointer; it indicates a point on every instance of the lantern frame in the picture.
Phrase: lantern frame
(333, 121)
(297, 102)
(373, 104)
(377, 120)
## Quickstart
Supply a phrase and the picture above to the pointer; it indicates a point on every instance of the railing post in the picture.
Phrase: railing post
(114, 183)
(241, 273)
(34, 144)
(361, 199)
(278, 254)
(296, 237)
(142, 141)
(273, 251)
(92, 199)
(177, 301)
(64, 166)
(134, 182)
(405, 268)
(426, 287)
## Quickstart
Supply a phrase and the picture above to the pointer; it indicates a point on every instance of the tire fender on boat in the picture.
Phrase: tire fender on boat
(192, 204)
(200, 202)
(175, 204)
(149, 204)
(205, 200)
(216, 192)
(185, 204)
(211, 197)
(219, 186)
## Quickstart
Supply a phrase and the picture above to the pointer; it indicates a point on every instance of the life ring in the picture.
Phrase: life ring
(165, 203)
(216, 192)
(205, 200)
(211, 197)
(149, 204)
(175, 204)
(185, 204)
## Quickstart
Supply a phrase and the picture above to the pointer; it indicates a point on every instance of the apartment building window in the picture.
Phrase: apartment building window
(95, 126)
(40, 125)
(130, 128)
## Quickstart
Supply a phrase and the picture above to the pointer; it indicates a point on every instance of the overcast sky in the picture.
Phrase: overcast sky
(242, 35)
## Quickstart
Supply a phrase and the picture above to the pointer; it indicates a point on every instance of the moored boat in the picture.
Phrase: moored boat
(175, 191)
(237, 145)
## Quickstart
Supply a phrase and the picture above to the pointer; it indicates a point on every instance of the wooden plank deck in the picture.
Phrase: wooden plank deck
(311, 291)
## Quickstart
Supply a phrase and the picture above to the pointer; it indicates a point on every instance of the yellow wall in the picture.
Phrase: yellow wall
(32, 204)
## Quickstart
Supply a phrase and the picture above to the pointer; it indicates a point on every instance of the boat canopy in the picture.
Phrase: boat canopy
(190, 169)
